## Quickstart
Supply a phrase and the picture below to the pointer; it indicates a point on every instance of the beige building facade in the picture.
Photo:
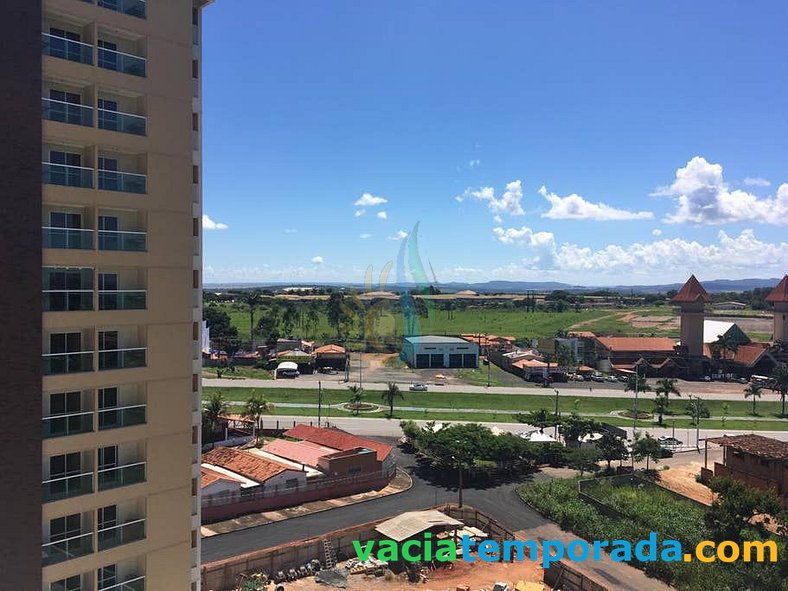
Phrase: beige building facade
(121, 280)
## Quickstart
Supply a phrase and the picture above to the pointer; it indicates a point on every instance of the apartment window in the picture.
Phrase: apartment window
(70, 584)
(108, 119)
(107, 576)
(109, 238)
(108, 457)
(108, 281)
(59, 107)
(108, 340)
(65, 403)
(62, 528)
(66, 158)
(195, 69)
(195, 279)
(195, 122)
(65, 465)
(65, 342)
(195, 227)
(195, 16)
(108, 400)
(60, 219)
(59, 45)
(108, 58)
(196, 174)
(107, 517)
(195, 382)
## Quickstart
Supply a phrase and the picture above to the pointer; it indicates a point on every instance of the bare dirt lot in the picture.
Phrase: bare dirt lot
(681, 479)
(476, 575)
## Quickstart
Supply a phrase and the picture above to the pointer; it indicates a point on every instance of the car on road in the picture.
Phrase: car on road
(670, 443)
(611, 379)
(706, 378)
(418, 387)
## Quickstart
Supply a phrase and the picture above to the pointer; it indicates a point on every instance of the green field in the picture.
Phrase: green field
(486, 320)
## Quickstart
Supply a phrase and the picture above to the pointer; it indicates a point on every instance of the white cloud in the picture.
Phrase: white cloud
(209, 224)
(756, 181)
(382, 215)
(317, 260)
(400, 235)
(365, 236)
(370, 200)
(508, 203)
(474, 163)
(703, 197)
(498, 219)
(359, 213)
(575, 207)
(290, 230)
(660, 257)
(656, 232)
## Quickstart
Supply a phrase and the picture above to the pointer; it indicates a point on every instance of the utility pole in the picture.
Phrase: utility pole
(635, 417)
(488, 360)
(556, 413)
(319, 402)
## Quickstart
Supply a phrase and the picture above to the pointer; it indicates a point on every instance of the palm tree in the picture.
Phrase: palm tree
(637, 382)
(252, 299)
(214, 409)
(779, 384)
(255, 408)
(313, 317)
(753, 391)
(667, 386)
(356, 395)
(660, 406)
(390, 395)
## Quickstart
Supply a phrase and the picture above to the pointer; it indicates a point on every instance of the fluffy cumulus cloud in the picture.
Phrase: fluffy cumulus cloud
(474, 163)
(756, 181)
(382, 215)
(370, 200)
(359, 212)
(400, 235)
(575, 207)
(317, 260)
(209, 224)
(703, 197)
(365, 236)
(728, 253)
(509, 203)
(656, 232)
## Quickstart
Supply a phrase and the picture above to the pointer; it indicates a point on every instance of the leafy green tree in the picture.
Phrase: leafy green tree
(666, 387)
(645, 447)
(697, 410)
(779, 384)
(390, 395)
(612, 448)
(268, 327)
(753, 391)
(636, 382)
(256, 406)
(574, 427)
(539, 418)
(338, 314)
(731, 512)
(214, 409)
(313, 316)
(411, 430)
(725, 411)
(218, 322)
(584, 459)
(356, 396)
(253, 300)
(289, 319)
(723, 349)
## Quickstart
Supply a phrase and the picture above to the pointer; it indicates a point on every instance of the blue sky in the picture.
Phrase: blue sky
(586, 142)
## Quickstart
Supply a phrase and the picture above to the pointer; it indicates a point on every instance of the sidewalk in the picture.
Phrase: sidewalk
(401, 482)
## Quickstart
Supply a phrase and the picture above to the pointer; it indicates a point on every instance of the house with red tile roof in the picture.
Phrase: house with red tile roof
(342, 441)
(303, 452)
(252, 467)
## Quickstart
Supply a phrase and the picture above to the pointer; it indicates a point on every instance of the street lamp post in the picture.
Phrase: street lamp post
(556, 412)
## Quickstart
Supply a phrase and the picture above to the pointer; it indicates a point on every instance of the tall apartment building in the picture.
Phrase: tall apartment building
(100, 307)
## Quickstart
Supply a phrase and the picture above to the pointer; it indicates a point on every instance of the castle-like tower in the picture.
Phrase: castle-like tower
(691, 299)
(779, 298)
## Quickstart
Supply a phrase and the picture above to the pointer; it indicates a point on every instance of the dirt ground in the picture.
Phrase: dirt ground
(681, 479)
(478, 576)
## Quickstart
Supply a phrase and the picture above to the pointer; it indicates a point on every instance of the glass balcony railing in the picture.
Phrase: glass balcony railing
(64, 112)
(60, 363)
(123, 122)
(70, 424)
(123, 416)
(117, 240)
(129, 299)
(122, 358)
(121, 476)
(127, 63)
(66, 549)
(67, 175)
(65, 487)
(132, 584)
(76, 238)
(125, 533)
(66, 49)
(128, 182)
(62, 300)
(130, 7)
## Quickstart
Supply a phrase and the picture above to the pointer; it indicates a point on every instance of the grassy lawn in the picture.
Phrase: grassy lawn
(509, 405)
(240, 372)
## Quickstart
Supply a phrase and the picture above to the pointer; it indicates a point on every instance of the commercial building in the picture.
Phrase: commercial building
(438, 351)
(101, 137)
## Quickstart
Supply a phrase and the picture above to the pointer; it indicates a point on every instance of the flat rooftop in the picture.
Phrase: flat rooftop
(437, 340)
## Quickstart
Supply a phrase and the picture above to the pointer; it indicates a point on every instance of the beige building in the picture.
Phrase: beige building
(121, 218)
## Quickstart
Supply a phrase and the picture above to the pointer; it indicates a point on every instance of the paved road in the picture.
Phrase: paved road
(577, 390)
(498, 500)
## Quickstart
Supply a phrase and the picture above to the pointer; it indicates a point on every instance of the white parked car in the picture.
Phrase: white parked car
(418, 387)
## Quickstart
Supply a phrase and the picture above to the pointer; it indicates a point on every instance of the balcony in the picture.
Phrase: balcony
(66, 549)
(110, 478)
(127, 182)
(118, 535)
(127, 299)
(111, 59)
(64, 112)
(66, 49)
(132, 584)
(65, 487)
(68, 300)
(67, 175)
(124, 416)
(122, 358)
(72, 238)
(130, 7)
(62, 363)
(120, 240)
(70, 424)
(123, 122)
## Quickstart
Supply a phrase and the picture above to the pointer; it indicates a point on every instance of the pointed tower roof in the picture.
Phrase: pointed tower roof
(692, 291)
(780, 293)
